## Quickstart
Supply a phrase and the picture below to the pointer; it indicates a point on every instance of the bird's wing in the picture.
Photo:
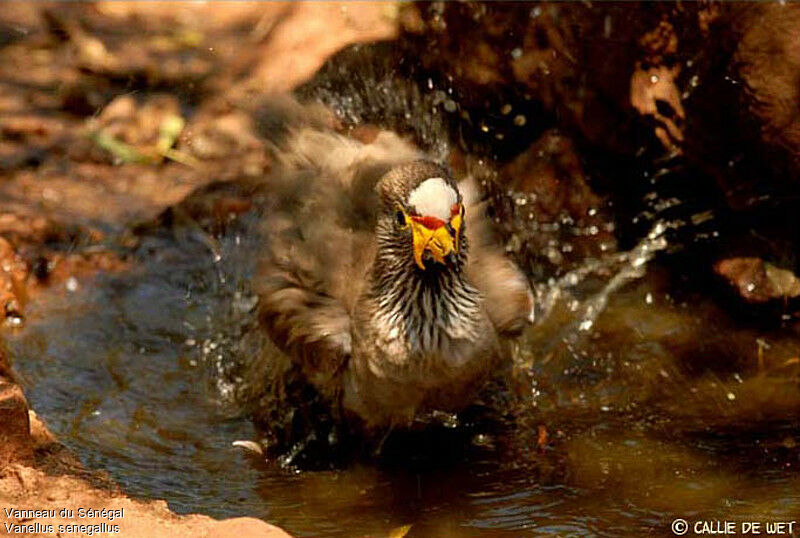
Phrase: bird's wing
(318, 232)
(507, 295)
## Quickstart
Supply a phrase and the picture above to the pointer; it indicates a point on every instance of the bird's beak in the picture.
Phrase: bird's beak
(439, 238)
(439, 242)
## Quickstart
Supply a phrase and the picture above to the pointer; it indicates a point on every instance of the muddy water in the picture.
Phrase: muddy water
(660, 408)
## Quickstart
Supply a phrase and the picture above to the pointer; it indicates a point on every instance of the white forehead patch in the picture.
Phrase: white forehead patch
(433, 198)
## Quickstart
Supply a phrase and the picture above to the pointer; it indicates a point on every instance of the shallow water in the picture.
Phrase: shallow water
(661, 409)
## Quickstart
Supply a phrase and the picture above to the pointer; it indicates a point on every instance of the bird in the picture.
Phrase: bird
(379, 276)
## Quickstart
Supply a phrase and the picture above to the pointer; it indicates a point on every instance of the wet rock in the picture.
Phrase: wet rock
(767, 60)
(525, 65)
(16, 444)
(545, 204)
(758, 281)
(655, 94)
(741, 125)
(655, 85)
(660, 44)
(551, 172)
(704, 96)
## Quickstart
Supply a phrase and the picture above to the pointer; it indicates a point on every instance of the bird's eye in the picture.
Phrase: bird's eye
(401, 218)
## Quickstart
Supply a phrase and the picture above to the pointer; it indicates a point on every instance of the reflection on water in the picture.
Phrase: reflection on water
(661, 408)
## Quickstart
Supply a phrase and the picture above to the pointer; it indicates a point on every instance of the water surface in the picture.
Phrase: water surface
(659, 408)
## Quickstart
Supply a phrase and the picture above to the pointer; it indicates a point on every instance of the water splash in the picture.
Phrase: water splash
(624, 266)
(363, 86)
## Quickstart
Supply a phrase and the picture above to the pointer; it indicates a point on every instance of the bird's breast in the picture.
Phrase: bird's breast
(398, 371)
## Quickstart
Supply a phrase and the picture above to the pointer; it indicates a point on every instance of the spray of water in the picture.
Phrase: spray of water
(623, 266)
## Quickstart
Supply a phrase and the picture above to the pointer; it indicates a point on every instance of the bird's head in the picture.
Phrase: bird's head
(426, 211)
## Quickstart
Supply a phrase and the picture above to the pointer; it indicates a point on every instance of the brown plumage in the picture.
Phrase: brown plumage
(372, 283)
